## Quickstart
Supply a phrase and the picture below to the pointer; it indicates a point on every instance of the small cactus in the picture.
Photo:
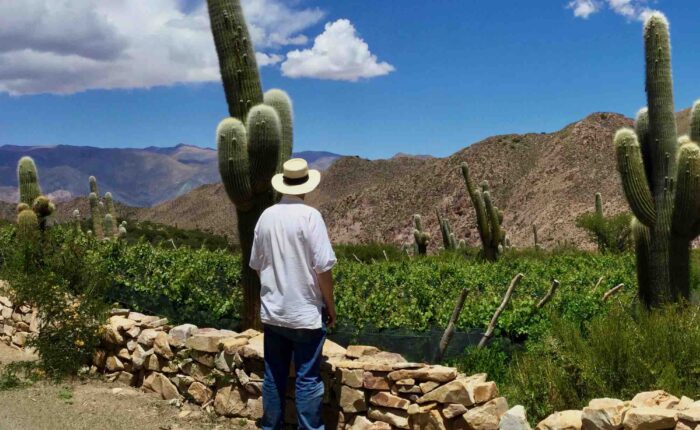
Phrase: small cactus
(109, 223)
(449, 241)
(422, 238)
(28, 180)
(535, 238)
(27, 225)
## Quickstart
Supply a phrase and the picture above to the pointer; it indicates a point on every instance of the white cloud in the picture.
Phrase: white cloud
(67, 46)
(337, 54)
(630, 9)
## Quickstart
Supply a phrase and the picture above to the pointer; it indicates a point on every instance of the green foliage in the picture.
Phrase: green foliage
(571, 365)
(369, 253)
(611, 233)
(172, 237)
(659, 175)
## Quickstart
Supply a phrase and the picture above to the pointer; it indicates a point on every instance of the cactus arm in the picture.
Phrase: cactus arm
(634, 181)
(232, 150)
(264, 135)
(694, 132)
(641, 237)
(28, 180)
(237, 63)
(641, 128)
(279, 100)
(479, 207)
(687, 197)
(27, 225)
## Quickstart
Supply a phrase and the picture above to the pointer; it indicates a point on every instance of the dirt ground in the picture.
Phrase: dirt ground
(94, 405)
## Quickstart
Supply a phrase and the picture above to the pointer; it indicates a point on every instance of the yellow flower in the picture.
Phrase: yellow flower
(79, 343)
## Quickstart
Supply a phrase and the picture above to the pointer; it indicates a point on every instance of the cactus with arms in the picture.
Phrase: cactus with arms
(660, 177)
(254, 142)
(488, 217)
(422, 238)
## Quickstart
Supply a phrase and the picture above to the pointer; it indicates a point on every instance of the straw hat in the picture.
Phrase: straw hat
(297, 178)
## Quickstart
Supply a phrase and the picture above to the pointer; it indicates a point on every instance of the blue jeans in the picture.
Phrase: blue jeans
(281, 344)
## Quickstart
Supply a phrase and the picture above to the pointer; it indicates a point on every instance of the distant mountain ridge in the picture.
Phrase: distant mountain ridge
(140, 177)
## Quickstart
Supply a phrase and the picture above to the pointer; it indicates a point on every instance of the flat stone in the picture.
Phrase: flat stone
(152, 362)
(205, 342)
(19, 338)
(454, 409)
(684, 403)
(147, 337)
(253, 409)
(229, 402)
(352, 400)
(204, 358)
(456, 391)
(395, 417)
(255, 348)
(482, 392)
(136, 316)
(118, 312)
(5, 301)
(649, 418)
(360, 422)
(515, 418)
(406, 389)
(231, 345)
(22, 326)
(429, 386)
(332, 349)
(120, 323)
(351, 377)
(113, 364)
(401, 366)
(182, 332)
(487, 416)
(415, 408)
(112, 336)
(372, 382)
(249, 333)
(406, 382)
(690, 414)
(387, 400)
(383, 357)
(131, 345)
(200, 393)
(565, 420)
(161, 385)
(123, 354)
(429, 373)
(380, 425)
(126, 378)
(155, 323)
(196, 370)
(182, 382)
(658, 398)
(603, 414)
(357, 351)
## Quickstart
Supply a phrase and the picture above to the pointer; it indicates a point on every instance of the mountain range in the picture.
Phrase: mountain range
(135, 177)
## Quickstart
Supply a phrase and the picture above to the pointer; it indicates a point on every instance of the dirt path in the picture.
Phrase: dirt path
(94, 405)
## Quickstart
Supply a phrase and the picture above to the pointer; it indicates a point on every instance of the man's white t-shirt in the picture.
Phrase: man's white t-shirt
(291, 246)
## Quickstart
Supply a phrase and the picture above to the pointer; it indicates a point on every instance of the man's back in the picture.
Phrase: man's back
(291, 247)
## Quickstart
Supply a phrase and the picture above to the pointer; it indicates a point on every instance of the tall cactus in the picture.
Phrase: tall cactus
(28, 180)
(254, 142)
(96, 217)
(661, 178)
(488, 217)
(422, 238)
(112, 211)
(449, 241)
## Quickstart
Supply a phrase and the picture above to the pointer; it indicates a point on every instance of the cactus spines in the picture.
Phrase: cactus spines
(488, 217)
(422, 238)
(27, 225)
(660, 175)
(28, 180)
(239, 70)
(96, 216)
(252, 144)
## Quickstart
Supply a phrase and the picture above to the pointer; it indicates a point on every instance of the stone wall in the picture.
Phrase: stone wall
(365, 388)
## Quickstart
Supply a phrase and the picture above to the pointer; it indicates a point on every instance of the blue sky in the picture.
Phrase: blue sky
(441, 75)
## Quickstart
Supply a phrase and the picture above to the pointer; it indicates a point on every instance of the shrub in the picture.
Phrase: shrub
(611, 233)
(369, 253)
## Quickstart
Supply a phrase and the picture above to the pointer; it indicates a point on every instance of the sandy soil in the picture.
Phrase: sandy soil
(95, 405)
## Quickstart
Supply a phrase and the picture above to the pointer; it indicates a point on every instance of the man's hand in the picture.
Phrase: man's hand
(325, 281)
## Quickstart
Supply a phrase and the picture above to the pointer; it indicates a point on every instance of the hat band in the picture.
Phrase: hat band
(295, 181)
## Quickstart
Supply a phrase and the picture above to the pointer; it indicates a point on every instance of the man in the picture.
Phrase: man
(293, 257)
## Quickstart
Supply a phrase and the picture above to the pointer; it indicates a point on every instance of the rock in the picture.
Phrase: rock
(515, 418)
(5, 301)
(453, 392)
(147, 337)
(204, 358)
(22, 326)
(99, 358)
(182, 332)
(113, 364)
(8, 330)
(196, 370)
(182, 382)
(200, 393)
(232, 345)
(161, 385)
(332, 349)
(138, 357)
(34, 323)
(690, 414)
(487, 416)
(243, 377)
(255, 348)
(387, 400)
(118, 312)
(7, 313)
(133, 332)
(19, 338)
(224, 362)
(249, 333)
(429, 386)
(357, 351)
(123, 354)
(229, 402)
(414, 408)
(649, 418)
(156, 323)
(406, 389)
(205, 342)
(565, 420)
(603, 414)
(351, 377)
(136, 316)
(126, 378)
(254, 388)
(681, 425)
(395, 417)
(453, 409)
(131, 345)
(658, 398)
(352, 400)
(120, 323)
(400, 366)
(387, 358)
(360, 423)
(685, 403)
(253, 409)
(372, 382)
(482, 392)
(430, 373)
(431, 420)
(152, 363)
(112, 336)
(380, 425)
(406, 382)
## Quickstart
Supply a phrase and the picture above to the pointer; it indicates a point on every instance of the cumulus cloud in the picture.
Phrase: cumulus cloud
(338, 54)
(630, 9)
(63, 47)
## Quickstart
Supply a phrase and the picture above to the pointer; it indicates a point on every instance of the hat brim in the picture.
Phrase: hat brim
(297, 190)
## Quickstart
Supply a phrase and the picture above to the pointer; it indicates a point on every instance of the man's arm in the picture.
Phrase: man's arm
(325, 281)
